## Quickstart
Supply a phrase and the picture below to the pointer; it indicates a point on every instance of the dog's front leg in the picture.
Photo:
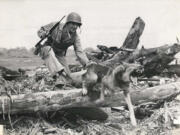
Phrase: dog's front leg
(101, 98)
(130, 106)
(84, 88)
(102, 93)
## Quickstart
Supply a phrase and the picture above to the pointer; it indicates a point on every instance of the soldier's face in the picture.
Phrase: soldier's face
(72, 27)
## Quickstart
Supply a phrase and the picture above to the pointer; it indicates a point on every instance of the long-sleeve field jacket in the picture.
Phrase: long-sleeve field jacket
(60, 40)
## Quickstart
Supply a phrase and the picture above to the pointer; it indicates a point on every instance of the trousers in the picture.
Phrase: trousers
(54, 61)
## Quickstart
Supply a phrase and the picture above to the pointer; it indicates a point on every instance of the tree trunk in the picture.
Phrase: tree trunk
(131, 42)
(132, 39)
(56, 100)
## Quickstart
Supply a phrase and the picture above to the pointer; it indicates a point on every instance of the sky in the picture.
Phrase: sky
(105, 22)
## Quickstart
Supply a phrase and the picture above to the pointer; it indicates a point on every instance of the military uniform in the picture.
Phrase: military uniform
(54, 50)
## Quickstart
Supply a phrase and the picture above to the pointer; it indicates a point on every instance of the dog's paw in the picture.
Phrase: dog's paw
(84, 92)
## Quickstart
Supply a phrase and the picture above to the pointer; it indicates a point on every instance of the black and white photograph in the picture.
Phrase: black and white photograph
(89, 67)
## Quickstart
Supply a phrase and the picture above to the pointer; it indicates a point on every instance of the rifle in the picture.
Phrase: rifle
(38, 44)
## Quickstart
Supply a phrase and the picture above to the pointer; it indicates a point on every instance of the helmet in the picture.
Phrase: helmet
(74, 17)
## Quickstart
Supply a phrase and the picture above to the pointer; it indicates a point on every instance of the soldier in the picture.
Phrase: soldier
(54, 49)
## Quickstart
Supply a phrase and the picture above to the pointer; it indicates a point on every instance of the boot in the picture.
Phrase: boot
(63, 79)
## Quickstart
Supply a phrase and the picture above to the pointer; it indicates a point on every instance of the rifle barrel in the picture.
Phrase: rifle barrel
(39, 41)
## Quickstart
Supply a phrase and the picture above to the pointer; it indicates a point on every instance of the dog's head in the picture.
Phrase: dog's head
(124, 72)
(133, 69)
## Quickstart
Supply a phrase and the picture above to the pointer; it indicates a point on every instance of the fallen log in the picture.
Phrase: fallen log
(9, 74)
(104, 49)
(172, 70)
(154, 60)
(170, 50)
(56, 100)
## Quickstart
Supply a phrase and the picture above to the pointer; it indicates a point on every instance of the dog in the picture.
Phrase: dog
(117, 79)
(93, 76)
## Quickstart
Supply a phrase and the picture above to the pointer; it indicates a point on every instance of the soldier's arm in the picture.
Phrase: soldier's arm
(79, 52)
